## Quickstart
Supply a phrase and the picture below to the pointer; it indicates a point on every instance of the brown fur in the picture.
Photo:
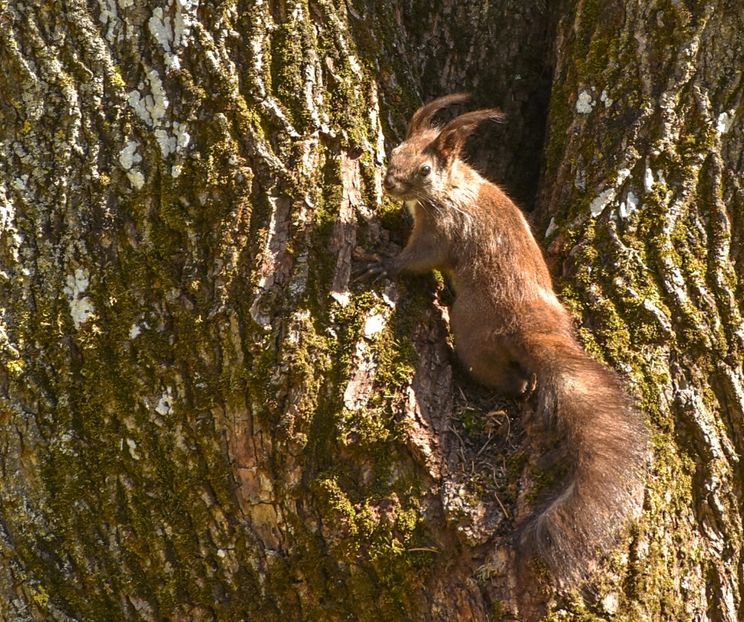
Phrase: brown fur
(509, 330)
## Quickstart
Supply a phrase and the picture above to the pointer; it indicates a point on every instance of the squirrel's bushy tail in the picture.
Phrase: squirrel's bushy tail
(600, 440)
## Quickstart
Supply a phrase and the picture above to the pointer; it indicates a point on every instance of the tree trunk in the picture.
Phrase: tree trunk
(205, 418)
(641, 210)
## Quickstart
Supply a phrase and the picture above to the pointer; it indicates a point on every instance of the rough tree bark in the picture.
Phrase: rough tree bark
(204, 418)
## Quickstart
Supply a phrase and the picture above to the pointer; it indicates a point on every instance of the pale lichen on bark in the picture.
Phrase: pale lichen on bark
(205, 418)
(666, 269)
(172, 153)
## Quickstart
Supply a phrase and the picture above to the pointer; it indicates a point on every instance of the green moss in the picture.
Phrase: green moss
(378, 531)
(116, 78)
(290, 44)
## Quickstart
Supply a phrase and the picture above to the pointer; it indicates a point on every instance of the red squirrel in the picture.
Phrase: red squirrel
(512, 334)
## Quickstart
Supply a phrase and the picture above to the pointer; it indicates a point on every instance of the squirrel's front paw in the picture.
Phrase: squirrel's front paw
(375, 268)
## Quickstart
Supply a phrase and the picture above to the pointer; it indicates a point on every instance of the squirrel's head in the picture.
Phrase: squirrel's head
(420, 167)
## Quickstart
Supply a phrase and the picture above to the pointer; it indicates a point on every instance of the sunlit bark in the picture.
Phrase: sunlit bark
(204, 417)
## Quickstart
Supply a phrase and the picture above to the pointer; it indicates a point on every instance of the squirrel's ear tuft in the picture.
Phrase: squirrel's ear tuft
(422, 117)
(452, 138)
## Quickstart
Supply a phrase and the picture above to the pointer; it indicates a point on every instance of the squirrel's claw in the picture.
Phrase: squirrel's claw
(530, 387)
(373, 270)
(359, 254)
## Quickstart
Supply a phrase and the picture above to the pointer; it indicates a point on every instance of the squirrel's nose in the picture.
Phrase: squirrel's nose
(389, 182)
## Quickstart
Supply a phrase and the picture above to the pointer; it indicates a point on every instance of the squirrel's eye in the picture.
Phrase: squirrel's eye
(425, 170)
